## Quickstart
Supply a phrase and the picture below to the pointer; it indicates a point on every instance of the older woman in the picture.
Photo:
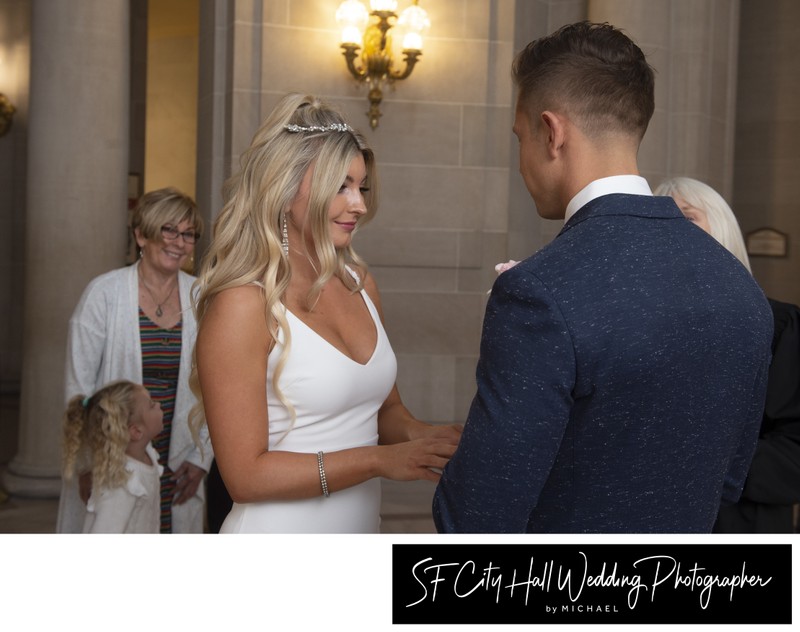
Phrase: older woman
(773, 483)
(136, 323)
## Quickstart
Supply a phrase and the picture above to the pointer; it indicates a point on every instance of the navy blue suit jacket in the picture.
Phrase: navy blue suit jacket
(621, 382)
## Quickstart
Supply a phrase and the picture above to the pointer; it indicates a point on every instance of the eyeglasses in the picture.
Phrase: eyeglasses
(172, 233)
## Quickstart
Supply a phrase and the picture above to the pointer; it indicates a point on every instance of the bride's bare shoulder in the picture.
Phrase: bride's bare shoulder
(236, 307)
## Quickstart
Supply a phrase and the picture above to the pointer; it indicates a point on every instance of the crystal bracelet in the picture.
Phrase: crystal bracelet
(322, 478)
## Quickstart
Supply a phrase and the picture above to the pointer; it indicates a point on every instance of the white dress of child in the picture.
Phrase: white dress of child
(131, 508)
(336, 401)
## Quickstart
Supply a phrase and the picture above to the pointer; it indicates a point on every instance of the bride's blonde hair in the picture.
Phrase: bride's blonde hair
(247, 235)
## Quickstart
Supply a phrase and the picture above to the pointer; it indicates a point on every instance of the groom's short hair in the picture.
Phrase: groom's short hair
(592, 73)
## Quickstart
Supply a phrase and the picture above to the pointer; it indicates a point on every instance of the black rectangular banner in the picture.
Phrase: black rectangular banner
(594, 583)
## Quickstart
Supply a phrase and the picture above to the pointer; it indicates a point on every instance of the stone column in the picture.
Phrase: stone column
(77, 209)
(214, 106)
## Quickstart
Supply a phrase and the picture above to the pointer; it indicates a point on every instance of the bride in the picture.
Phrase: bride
(293, 369)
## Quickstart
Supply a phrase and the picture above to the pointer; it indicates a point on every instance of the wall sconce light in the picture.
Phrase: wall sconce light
(6, 114)
(374, 30)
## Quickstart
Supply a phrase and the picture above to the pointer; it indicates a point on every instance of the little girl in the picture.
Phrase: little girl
(109, 434)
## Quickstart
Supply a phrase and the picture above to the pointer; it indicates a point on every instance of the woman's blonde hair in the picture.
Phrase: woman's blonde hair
(246, 244)
(96, 434)
(721, 220)
(164, 206)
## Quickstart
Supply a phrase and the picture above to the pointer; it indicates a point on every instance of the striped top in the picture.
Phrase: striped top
(161, 360)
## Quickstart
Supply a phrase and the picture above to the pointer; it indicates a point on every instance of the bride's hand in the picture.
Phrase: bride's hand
(450, 433)
(420, 459)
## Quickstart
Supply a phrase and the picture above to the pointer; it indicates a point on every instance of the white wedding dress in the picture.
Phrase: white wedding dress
(336, 400)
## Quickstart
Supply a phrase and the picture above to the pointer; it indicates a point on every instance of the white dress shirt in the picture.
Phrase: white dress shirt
(633, 185)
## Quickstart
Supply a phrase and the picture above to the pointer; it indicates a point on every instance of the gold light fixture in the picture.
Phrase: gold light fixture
(6, 114)
(374, 31)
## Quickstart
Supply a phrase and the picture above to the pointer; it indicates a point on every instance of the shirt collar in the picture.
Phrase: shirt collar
(633, 185)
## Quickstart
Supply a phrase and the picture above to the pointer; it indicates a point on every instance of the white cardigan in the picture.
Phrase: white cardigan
(104, 345)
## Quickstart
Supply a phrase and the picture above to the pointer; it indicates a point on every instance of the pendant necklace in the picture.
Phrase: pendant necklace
(159, 311)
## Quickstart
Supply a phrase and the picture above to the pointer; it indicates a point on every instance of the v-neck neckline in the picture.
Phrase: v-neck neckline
(366, 301)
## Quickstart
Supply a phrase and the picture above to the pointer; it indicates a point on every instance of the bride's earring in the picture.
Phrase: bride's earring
(285, 231)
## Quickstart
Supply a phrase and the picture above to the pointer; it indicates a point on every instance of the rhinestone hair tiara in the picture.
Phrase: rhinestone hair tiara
(333, 127)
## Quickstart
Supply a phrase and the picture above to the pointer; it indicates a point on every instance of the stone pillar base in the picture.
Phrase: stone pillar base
(26, 486)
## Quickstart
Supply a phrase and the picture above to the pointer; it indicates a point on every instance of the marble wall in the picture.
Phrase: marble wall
(692, 46)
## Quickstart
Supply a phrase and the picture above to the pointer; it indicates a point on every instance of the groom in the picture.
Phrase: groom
(623, 367)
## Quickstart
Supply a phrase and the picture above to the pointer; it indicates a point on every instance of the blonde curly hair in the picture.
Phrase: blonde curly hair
(95, 434)
(247, 235)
